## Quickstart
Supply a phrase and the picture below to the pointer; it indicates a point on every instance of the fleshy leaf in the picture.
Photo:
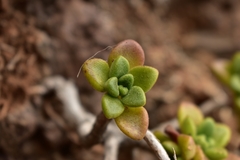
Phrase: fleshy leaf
(235, 82)
(112, 107)
(161, 136)
(135, 97)
(169, 146)
(199, 154)
(216, 153)
(187, 146)
(220, 69)
(119, 67)
(133, 122)
(129, 49)
(221, 135)
(237, 102)
(126, 80)
(144, 77)
(111, 86)
(202, 141)
(122, 90)
(211, 142)
(207, 127)
(189, 109)
(235, 64)
(188, 126)
(96, 71)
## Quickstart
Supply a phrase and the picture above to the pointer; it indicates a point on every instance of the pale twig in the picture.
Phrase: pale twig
(111, 148)
(90, 131)
(73, 109)
(75, 113)
(156, 146)
(174, 155)
(112, 141)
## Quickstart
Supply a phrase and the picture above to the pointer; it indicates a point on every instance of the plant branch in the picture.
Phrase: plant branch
(91, 130)
(112, 141)
(75, 113)
(97, 131)
(156, 146)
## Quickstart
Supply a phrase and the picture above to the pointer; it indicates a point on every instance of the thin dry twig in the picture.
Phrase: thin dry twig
(108, 47)
(156, 146)
(112, 144)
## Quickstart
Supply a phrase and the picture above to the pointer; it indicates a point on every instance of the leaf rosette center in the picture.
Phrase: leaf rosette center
(125, 80)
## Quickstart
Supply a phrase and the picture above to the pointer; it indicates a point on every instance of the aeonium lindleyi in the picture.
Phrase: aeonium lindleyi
(124, 80)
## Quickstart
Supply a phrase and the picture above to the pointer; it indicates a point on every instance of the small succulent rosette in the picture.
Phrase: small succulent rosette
(228, 71)
(200, 138)
(124, 80)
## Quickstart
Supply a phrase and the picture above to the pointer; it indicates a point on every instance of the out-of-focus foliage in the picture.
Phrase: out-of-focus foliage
(199, 138)
(228, 72)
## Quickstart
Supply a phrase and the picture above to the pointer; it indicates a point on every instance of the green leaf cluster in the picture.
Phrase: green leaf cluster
(200, 138)
(124, 80)
(228, 71)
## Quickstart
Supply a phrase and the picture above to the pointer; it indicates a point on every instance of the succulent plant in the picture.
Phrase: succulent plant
(124, 80)
(228, 71)
(199, 138)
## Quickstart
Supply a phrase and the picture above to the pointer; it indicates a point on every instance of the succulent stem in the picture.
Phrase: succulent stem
(97, 131)
(156, 146)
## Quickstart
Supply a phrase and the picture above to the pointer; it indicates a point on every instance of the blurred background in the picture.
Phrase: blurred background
(45, 38)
